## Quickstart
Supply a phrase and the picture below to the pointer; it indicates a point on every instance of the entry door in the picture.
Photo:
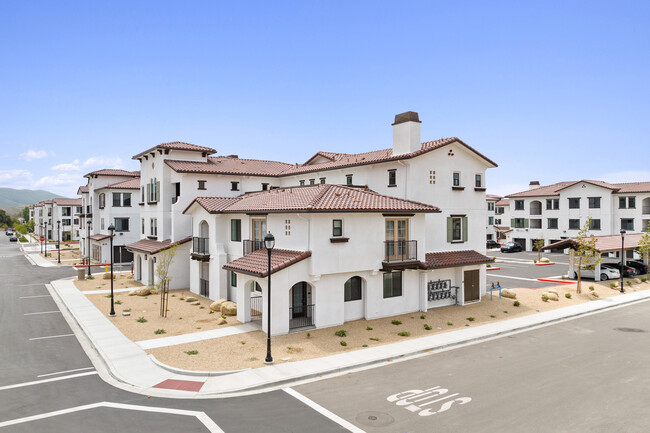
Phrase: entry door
(259, 231)
(151, 266)
(299, 299)
(396, 237)
(471, 286)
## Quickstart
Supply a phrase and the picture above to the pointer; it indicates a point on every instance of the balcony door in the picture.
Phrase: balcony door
(258, 231)
(396, 237)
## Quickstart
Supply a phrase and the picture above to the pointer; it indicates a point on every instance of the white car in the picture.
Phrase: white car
(605, 274)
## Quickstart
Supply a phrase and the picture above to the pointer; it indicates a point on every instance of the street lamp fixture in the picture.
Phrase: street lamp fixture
(58, 241)
(111, 229)
(88, 249)
(622, 257)
(269, 243)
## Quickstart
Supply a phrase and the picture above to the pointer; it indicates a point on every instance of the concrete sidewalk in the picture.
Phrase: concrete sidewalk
(123, 363)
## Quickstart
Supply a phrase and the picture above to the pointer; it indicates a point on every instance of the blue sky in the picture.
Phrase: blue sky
(550, 90)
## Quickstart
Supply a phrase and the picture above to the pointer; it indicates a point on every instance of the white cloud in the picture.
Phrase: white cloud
(103, 162)
(627, 176)
(11, 178)
(32, 154)
(57, 180)
(72, 166)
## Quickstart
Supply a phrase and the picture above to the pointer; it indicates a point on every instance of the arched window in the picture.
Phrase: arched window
(353, 289)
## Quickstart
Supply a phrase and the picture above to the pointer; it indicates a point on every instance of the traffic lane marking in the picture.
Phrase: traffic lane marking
(512, 278)
(66, 371)
(326, 413)
(51, 336)
(35, 296)
(54, 379)
(40, 312)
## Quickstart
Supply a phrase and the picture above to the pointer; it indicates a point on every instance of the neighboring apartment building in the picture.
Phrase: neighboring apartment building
(64, 218)
(559, 211)
(490, 231)
(43, 219)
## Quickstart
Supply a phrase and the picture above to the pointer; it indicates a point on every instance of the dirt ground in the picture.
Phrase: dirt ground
(122, 280)
(68, 258)
(182, 317)
(248, 350)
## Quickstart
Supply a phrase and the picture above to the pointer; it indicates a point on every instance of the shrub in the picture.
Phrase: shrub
(488, 265)
(534, 261)
(242, 342)
(142, 320)
(90, 277)
(404, 334)
(427, 327)
(396, 322)
(108, 296)
(173, 296)
(368, 328)
(567, 295)
(210, 312)
(201, 307)
(516, 303)
(592, 288)
(181, 298)
(373, 339)
(544, 298)
(159, 331)
(127, 310)
(492, 316)
(343, 343)
(470, 319)
(644, 279)
(341, 333)
(450, 324)
(563, 277)
(308, 335)
(192, 352)
(422, 316)
(505, 311)
(118, 302)
(629, 283)
(612, 285)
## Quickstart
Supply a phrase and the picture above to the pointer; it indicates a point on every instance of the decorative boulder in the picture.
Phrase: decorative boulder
(216, 305)
(508, 293)
(196, 303)
(544, 260)
(551, 296)
(229, 308)
(191, 299)
(107, 276)
(142, 291)
(554, 291)
(637, 280)
(221, 321)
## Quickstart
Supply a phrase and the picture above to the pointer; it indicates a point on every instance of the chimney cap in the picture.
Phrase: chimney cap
(534, 182)
(409, 116)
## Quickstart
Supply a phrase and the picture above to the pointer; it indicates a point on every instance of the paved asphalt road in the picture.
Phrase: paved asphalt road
(590, 374)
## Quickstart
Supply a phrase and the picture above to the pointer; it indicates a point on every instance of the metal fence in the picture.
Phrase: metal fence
(400, 251)
(250, 246)
(200, 246)
(256, 307)
(301, 316)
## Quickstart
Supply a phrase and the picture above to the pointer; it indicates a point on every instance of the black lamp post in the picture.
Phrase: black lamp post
(111, 229)
(41, 225)
(622, 257)
(269, 243)
(58, 240)
(88, 249)
(45, 237)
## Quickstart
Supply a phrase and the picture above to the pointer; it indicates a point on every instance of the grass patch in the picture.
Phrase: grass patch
(173, 296)
(427, 327)
(470, 319)
(516, 303)
(395, 322)
(629, 283)
(505, 311)
(422, 316)
(181, 298)
(201, 307)
(644, 279)
(159, 331)
(107, 296)
(544, 298)
(127, 310)
(592, 288)
(492, 316)
(567, 295)
(308, 335)
(90, 277)
(142, 320)
(404, 334)
(450, 324)
(373, 339)
(612, 285)
(343, 343)
(242, 342)
(368, 328)
(192, 352)
(252, 359)
(118, 302)
(341, 333)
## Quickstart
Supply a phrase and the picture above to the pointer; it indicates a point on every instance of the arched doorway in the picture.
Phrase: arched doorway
(256, 300)
(353, 298)
(301, 307)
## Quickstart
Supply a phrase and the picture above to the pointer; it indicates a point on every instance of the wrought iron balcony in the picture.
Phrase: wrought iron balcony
(200, 249)
(400, 251)
(252, 245)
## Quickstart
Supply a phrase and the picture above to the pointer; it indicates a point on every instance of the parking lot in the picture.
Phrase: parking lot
(518, 270)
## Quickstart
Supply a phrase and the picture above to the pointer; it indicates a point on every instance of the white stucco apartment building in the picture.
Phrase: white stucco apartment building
(61, 210)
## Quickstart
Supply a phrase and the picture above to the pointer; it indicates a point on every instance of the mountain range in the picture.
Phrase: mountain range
(23, 197)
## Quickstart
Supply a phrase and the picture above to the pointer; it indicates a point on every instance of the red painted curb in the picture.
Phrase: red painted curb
(492, 269)
(548, 280)
(544, 264)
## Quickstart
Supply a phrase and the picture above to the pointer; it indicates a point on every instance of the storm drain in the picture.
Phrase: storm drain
(375, 419)
(629, 329)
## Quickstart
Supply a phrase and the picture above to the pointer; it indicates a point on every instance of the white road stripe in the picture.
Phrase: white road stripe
(67, 371)
(38, 382)
(34, 284)
(320, 409)
(35, 296)
(51, 336)
(512, 278)
(42, 312)
(201, 416)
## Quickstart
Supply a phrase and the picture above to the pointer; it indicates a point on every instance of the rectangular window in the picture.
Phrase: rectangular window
(497, 221)
(478, 181)
(574, 224)
(432, 177)
(142, 220)
(552, 223)
(337, 228)
(392, 177)
(594, 202)
(65, 222)
(101, 224)
(126, 199)
(520, 223)
(491, 205)
(117, 199)
(142, 194)
(153, 229)
(348, 179)
(594, 225)
(456, 179)
(353, 289)
(76, 221)
(627, 202)
(265, 187)
(287, 227)
(574, 203)
(491, 220)
(552, 203)
(233, 279)
(392, 284)
(121, 224)
(235, 230)
(631, 202)
(535, 223)
(457, 229)
(457, 233)
(519, 205)
(201, 184)
(234, 186)
(301, 182)
(102, 201)
(627, 224)
(322, 181)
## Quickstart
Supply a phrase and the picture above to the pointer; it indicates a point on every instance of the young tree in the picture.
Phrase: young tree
(539, 245)
(585, 250)
(644, 246)
(163, 262)
(25, 213)
(30, 225)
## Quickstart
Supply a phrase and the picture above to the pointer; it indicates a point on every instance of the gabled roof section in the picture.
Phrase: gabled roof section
(503, 202)
(125, 184)
(153, 247)
(326, 156)
(99, 237)
(599, 183)
(547, 190)
(83, 189)
(492, 197)
(554, 189)
(230, 165)
(313, 198)
(257, 262)
(177, 145)
(450, 259)
(112, 172)
(604, 244)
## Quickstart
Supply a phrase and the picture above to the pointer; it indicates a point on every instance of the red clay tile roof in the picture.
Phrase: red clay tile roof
(125, 184)
(229, 165)
(177, 145)
(492, 197)
(257, 262)
(313, 198)
(99, 237)
(599, 183)
(617, 188)
(449, 259)
(83, 189)
(112, 172)
(631, 187)
(604, 244)
(67, 201)
(503, 202)
(153, 247)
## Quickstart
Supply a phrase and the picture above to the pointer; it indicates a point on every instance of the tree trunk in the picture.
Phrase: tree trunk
(578, 291)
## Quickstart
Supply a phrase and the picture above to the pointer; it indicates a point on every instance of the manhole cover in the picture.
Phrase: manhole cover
(374, 419)
(629, 329)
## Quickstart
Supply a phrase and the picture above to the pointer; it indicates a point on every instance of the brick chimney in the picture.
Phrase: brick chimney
(406, 133)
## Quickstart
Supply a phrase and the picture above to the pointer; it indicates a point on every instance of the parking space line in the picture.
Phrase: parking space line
(38, 382)
(41, 312)
(320, 409)
(67, 371)
(513, 278)
(35, 296)
(51, 336)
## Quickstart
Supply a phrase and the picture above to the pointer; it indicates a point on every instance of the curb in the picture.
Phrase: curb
(550, 280)
(192, 372)
(544, 264)
(493, 269)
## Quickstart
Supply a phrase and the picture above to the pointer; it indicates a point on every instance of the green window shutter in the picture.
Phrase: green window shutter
(450, 229)
(148, 192)
(464, 221)
(525, 223)
(157, 191)
(512, 222)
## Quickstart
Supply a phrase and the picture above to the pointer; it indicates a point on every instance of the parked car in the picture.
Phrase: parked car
(492, 244)
(511, 247)
(13, 239)
(9, 233)
(605, 273)
(627, 271)
(639, 266)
